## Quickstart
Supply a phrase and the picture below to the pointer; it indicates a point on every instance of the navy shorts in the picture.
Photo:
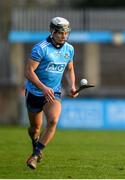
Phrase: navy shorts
(36, 103)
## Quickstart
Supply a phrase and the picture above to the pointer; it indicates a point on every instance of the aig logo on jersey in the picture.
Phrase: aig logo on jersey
(56, 67)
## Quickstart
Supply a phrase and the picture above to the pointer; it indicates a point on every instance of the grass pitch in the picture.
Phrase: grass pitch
(72, 154)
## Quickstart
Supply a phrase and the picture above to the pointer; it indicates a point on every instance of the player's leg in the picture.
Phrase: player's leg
(34, 108)
(52, 112)
(34, 133)
(35, 119)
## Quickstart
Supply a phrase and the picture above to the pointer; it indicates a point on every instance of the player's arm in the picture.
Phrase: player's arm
(71, 79)
(31, 66)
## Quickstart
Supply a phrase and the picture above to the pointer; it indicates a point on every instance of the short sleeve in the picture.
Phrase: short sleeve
(71, 54)
(36, 53)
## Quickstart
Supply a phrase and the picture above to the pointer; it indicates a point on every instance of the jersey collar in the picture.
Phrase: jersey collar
(51, 40)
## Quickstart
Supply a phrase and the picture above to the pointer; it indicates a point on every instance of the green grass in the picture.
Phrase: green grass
(72, 154)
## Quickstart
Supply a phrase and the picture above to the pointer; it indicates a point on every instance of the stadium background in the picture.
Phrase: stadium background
(98, 36)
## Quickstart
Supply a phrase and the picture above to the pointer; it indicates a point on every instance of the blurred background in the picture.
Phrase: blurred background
(98, 36)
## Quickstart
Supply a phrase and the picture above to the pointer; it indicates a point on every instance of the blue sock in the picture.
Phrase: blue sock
(34, 142)
(38, 148)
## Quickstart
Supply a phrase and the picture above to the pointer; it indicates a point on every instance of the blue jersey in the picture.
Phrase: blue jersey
(53, 62)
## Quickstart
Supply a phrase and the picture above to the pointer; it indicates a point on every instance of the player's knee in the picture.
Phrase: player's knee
(53, 121)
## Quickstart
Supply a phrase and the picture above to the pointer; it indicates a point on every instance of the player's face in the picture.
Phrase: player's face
(60, 36)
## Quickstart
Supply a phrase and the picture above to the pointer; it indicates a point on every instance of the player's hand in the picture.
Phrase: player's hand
(49, 94)
(72, 93)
